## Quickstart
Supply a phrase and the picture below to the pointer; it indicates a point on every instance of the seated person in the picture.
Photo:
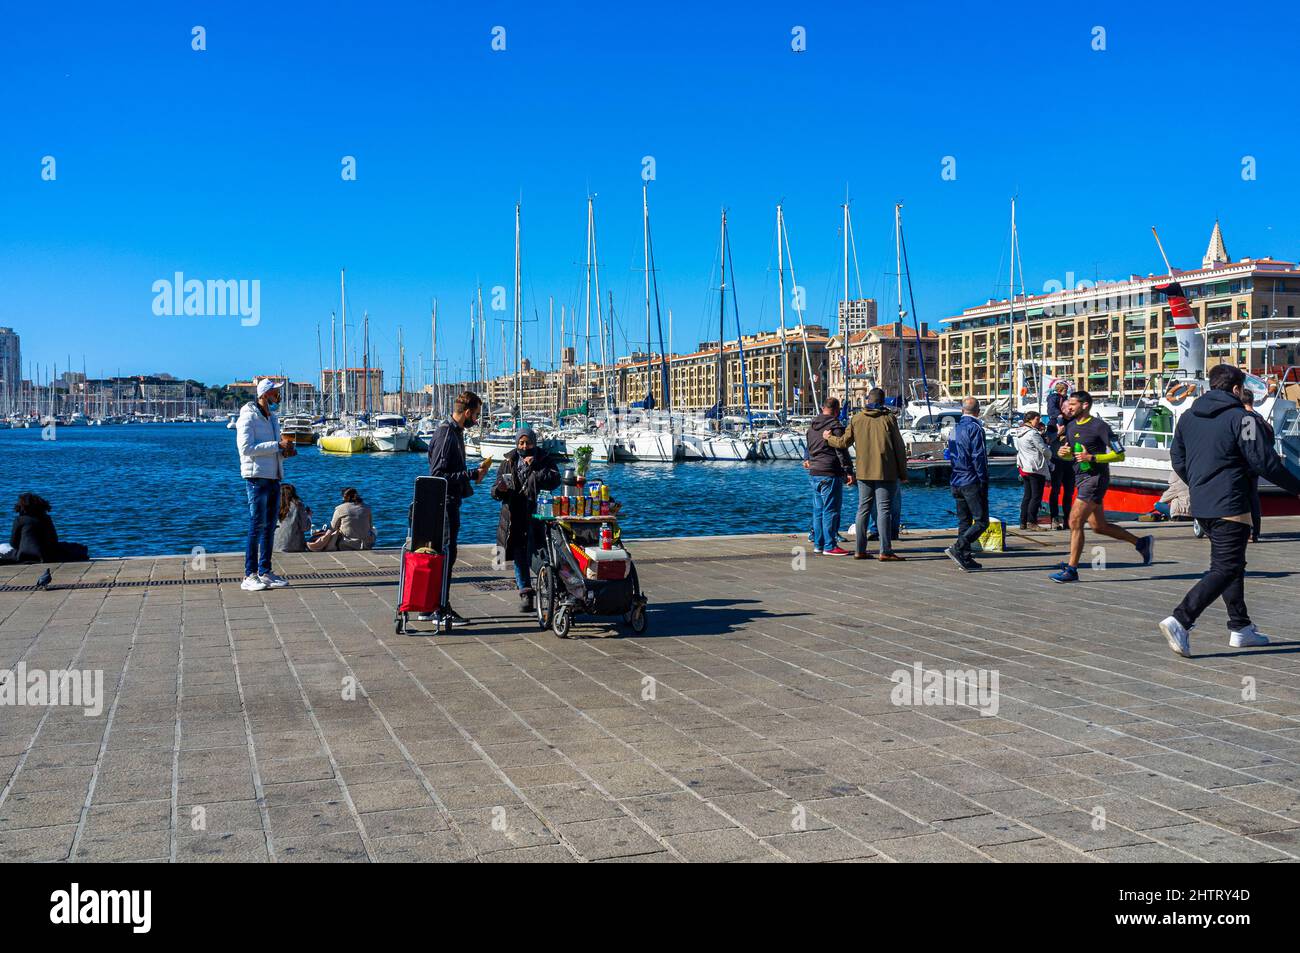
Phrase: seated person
(1174, 504)
(33, 538)
(351, 527)
(294, 521)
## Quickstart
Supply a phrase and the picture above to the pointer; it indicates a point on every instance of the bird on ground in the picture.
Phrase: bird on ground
(45, 580)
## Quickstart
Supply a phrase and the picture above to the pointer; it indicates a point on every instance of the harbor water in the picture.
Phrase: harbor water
(153, 489)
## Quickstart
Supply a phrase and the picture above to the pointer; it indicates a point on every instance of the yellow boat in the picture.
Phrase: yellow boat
(342, 442)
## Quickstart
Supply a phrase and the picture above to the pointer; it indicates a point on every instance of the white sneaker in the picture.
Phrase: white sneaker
(253, 584)
(1247, 638)
(1177, 636)
(273, 581)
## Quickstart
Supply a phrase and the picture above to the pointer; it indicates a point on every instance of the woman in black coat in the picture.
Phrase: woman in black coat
(524, 473)
(33, 538)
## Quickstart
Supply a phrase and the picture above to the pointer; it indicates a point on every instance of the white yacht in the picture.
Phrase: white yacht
(389, 433)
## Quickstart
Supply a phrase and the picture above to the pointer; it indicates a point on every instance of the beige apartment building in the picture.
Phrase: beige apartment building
(778, 377)
(1116, 339)
(885, 356)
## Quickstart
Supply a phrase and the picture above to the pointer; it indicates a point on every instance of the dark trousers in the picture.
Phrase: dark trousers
(1032, 498)
(972, 515)
(451, 532)
(1063, 484)
(263, 507)
(1226, 578)
(1256, 512)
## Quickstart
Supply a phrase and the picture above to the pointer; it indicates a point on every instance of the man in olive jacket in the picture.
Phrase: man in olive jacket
(881, 466)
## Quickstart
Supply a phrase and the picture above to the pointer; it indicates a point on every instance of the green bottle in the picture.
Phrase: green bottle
(1085, 466)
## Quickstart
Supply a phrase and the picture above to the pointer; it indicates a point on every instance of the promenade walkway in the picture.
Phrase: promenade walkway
(752, 722)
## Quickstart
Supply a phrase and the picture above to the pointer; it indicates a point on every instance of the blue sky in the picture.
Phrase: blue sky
(226, 163)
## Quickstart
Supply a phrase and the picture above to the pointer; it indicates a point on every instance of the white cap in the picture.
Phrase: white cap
(266, 384)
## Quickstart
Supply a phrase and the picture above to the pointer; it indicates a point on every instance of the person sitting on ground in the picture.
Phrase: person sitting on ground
(1033, 460)
(294, 521)
(525, 472)
(33, 538)
(351, 527)
(1174, 504)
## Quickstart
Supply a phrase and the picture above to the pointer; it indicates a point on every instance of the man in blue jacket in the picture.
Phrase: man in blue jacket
(968, 453)
(1219, 451)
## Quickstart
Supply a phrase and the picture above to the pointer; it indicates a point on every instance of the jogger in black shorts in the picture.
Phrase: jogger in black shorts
(1090, 445)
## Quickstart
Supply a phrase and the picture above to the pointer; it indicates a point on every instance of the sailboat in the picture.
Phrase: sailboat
(341, 438)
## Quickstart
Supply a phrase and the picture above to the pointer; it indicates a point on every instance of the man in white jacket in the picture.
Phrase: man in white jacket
(262, 450)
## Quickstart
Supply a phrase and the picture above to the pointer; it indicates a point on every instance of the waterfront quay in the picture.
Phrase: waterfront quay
(768, 713)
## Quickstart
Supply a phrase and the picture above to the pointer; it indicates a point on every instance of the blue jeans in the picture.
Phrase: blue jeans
(263, 505)
(524, 565)
(828, 495)
(880, 496)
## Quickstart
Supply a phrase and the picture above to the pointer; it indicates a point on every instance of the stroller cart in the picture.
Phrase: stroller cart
(423, 580)
(575, 575)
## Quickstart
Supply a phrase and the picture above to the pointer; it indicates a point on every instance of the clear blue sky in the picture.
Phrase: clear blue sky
(226, 163)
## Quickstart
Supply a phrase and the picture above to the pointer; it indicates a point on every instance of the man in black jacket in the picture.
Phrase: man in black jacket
(1219, 451)
(447, 460)
(829, 471)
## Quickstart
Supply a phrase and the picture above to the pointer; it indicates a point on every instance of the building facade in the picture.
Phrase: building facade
(887, 356)
(1117, 340)
(857, 315)
(353, 388)
(11, 369)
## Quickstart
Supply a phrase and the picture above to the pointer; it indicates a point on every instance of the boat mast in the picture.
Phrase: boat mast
(645, 226)
(844, 313)
(898, 274)
(722, 318)
(586, 350)
(519, 328)
(344, 373)
(780, 287)
(1011, 300)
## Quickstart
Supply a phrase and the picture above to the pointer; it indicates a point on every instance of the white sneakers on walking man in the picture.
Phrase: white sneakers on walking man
(1180, 639)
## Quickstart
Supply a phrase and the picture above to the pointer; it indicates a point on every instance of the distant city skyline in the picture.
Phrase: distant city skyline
(134, 157)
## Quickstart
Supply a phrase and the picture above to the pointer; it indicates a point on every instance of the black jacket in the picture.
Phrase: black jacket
(34, 540)
(519, 497)
(447, 459)
(1054, 415)
(1218, 451)
(823, 459)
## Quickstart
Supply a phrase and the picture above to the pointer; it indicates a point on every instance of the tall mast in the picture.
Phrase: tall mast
(344, 306)
(722, 318)
(780, 287)
(1011, 319)
(600, 321)
(902, 312)
(586, 351)
(645, 224)
(844, 314)
(519, 327)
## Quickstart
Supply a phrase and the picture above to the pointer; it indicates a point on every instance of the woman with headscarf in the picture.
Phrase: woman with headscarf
(525, 472)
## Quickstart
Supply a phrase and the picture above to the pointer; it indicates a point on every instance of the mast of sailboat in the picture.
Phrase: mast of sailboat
(844, 311)
(486, 421)
(902, 326)
(722, 318)
(343, 375)
(365, 362)
(519, 328)
(645, 228)
(784, 405)
(435, 398)
(586, 348)
(901, 253)
(600, 320)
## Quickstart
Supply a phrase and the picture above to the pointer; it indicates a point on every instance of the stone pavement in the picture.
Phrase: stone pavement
(752, 722)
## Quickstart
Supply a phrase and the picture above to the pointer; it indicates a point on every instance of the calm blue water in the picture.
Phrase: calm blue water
(165, 488)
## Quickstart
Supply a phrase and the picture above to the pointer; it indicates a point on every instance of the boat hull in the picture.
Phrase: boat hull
(336, 443)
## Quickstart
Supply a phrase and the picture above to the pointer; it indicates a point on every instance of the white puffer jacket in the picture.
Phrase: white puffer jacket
(258, 440)
(1032, 455)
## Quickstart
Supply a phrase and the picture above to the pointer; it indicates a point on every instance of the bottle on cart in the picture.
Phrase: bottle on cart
(606, 536)
(544, 504)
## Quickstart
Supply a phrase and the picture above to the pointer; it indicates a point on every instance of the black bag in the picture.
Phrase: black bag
(72, 553)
